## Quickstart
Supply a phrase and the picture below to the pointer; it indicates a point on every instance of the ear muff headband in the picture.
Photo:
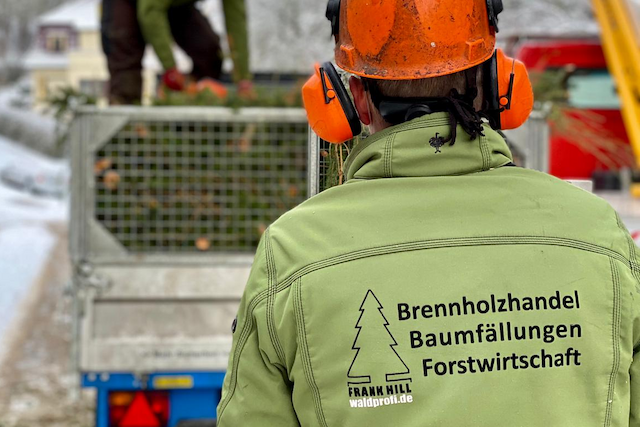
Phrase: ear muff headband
(494, 8)
(330, 111)
(491, 91)
(333, 15)
(344, 99)
(508, 91)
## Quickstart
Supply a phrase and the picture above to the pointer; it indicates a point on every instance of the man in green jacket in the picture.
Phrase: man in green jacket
(440, 286)
(129, 25)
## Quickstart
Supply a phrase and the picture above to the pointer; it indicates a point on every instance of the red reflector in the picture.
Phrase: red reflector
(140, 414)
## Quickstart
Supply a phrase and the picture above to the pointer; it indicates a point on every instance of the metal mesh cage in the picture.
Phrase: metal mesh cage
(198, 186)
(325, 165)
(331, 159)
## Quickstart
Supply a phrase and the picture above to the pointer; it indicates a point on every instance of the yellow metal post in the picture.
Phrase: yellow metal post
(620, 32)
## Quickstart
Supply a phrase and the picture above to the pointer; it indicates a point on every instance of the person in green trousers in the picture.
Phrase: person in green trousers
(440, 285)
(129, 25)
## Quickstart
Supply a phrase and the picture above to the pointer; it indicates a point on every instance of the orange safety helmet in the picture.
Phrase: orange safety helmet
(412, 39)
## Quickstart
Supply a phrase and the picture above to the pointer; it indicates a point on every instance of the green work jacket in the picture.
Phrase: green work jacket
(439, 289)
(154, 23)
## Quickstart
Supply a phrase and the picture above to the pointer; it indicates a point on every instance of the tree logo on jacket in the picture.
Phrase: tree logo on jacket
(376, 360)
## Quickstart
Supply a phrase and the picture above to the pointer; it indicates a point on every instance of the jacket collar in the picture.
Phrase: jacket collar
(405, 151)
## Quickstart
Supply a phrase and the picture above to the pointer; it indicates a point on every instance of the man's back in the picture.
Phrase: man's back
(440, 289)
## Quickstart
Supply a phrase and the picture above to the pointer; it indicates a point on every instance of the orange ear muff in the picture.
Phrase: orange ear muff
(508, 90)
(330, 111)
(516, 91)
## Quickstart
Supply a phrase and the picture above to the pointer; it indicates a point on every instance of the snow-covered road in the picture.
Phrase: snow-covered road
(35, 317)
(23, 252)
(25, 240)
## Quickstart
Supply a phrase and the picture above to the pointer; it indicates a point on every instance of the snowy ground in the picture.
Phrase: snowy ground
(19, 206)
(25, 242)
(23, 252)
(36, 378)
(35, 368)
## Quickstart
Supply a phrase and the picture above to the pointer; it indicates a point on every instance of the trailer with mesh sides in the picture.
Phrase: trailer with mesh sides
(168, 206)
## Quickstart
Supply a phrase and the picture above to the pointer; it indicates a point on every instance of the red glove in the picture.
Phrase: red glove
(174, 80)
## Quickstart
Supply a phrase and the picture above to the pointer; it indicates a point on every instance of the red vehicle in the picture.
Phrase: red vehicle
(588, 136)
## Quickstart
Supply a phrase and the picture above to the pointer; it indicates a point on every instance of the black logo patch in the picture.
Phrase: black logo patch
(437, 142)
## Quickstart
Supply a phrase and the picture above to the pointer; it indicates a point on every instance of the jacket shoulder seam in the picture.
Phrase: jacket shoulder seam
(615, 339)
(448, 243)
(242, 340)
(388, 153)
(304, 347)
(633, 265)
(486, 155)
(272, 280)
(391, 146)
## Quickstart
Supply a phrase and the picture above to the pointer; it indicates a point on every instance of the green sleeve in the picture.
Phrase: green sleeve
(634, 370)
(154, 23)
(235, 13)
(256, 390)
(635, 389)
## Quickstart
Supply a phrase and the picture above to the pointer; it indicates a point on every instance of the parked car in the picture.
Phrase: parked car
(44, 183)
(49, 185)
(17, 178)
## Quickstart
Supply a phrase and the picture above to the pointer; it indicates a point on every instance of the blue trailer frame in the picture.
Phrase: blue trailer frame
(198, 401)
